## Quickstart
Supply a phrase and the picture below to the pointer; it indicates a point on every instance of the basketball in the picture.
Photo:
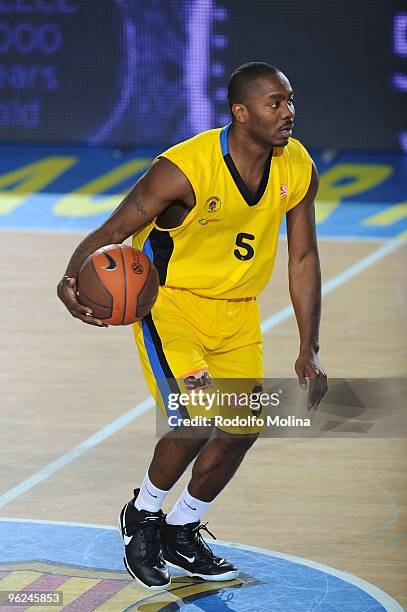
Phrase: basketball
(119, 283)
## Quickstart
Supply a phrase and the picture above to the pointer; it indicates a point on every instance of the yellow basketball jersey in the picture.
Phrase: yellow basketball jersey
(225, 248)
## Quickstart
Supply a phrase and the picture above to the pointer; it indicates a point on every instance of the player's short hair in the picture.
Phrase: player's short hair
(243, 79)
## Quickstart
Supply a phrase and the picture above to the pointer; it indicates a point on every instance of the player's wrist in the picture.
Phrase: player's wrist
(67, 277)
(309, 348)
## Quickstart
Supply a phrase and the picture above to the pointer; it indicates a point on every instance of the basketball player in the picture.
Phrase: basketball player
(207, 212)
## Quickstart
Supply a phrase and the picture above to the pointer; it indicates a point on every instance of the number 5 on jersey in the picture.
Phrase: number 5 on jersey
(245, 250)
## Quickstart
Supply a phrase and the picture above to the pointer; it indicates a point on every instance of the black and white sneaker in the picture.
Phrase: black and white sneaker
(143, 557)
(185, 548)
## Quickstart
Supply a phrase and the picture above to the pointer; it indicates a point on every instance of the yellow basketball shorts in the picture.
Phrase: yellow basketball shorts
(190, 343)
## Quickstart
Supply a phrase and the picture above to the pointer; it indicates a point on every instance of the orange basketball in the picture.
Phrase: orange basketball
(119, 283)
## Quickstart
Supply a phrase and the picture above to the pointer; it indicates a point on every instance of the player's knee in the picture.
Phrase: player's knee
(183, 440)
(231, 448)
(194, 445)
(239, 445)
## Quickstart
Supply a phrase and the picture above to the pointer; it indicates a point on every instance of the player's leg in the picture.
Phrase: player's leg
(216, 464)
(168, 353)
(164, 355)
(181, 448)
(183, 545)
(239, 369)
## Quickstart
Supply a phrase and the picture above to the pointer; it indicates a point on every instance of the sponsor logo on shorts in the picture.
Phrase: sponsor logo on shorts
(283, 191)
(200, 379)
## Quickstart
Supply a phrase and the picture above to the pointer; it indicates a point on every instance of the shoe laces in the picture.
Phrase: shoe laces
(200, 543)
(149, 530)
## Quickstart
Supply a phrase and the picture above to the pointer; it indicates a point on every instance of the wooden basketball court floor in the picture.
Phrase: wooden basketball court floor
(341, 502)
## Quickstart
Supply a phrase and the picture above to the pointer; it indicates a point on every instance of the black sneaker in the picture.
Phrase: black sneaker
(143, 557)
(185, 548)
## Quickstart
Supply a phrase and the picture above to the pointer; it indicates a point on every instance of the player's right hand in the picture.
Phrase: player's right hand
(66, 290)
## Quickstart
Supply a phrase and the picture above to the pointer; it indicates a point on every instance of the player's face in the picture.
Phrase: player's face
(270, 111)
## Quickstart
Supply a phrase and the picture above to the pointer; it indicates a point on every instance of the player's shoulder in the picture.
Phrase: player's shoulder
(196, 155)
(198, 143)
(296, 151)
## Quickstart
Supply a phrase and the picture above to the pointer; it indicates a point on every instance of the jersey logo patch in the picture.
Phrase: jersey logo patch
(212, 204)
(283, 191)
(205, 221)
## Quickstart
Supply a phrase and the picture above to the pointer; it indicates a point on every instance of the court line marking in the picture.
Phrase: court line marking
(77, 451)
(141, 408)
(338, 280)
(386, 600)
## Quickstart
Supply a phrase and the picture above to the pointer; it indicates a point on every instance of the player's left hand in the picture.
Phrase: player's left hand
(312, 377)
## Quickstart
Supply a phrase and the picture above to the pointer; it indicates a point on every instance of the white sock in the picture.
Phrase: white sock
(150, 497)
(188, 509)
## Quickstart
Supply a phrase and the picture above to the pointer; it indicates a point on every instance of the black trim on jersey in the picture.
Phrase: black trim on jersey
(162, 246)
(241, 185)
(172, 382)
(159, 347)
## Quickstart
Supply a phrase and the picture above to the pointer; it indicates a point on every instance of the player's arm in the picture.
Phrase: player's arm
(305, 290)
(150, 196)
